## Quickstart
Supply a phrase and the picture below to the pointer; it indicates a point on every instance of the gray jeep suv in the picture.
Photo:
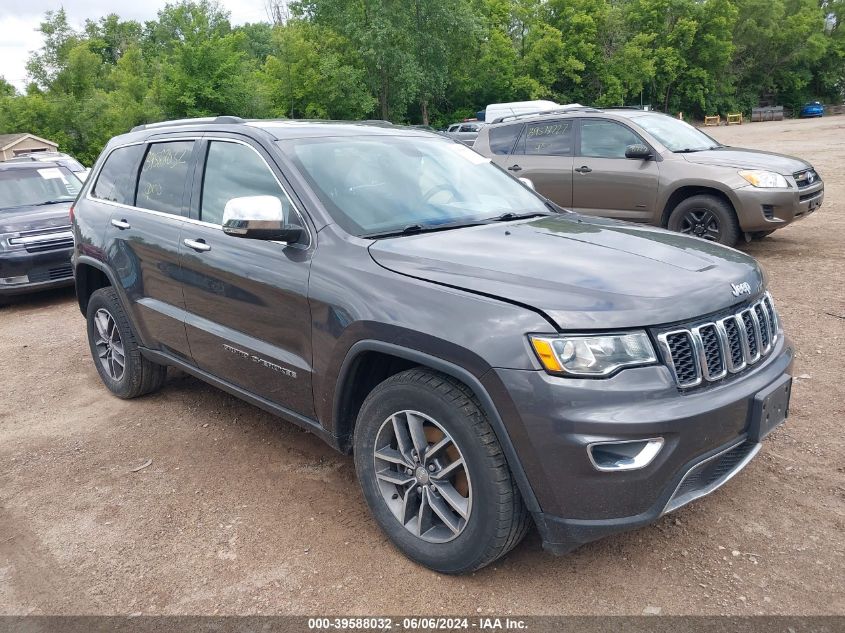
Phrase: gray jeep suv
(648, 167)
(490, 360)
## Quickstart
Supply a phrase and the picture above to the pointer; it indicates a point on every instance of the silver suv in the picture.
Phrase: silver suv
(648, 167)
(465, 132)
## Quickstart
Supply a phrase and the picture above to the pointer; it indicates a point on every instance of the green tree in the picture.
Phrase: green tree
(312, 74)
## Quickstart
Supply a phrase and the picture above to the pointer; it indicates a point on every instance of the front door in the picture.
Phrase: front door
(604, 181)
(248, 318)
(543, 154)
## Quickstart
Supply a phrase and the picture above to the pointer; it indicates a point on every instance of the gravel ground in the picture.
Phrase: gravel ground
(240, 513)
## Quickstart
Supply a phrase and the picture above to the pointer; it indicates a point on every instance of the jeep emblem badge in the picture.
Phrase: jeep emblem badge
(741, 289)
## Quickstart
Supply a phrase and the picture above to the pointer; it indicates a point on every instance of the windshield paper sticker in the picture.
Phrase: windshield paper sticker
(51, 172)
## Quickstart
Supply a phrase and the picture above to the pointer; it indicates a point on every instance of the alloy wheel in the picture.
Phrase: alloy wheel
(109, 345)
(701, 223)
(422, 476)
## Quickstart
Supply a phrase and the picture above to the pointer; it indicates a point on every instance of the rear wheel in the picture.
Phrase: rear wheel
(433, 473)
(707, 217)
(115, 350)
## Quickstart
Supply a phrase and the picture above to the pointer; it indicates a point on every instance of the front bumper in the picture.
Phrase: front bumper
(30, 272)
(704, 431)
(771, 209)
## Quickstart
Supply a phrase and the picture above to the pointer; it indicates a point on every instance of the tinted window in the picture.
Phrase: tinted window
(233, 170)
(502, 138)
(605, 139)
(116, 181)
(163, 175)
(549, 138)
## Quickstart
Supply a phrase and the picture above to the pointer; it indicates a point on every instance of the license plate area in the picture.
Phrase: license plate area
(770, 409)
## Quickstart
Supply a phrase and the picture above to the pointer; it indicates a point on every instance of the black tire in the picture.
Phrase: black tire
(497, 520)
(706, 216)
(139, 375)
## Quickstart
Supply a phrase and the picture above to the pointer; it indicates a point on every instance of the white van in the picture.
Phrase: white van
(498, 110)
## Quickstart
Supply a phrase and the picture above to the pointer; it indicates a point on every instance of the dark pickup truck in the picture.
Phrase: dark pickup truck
(491, 360)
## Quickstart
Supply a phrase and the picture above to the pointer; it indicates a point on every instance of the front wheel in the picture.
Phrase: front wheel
(706, 216)
(433, 473)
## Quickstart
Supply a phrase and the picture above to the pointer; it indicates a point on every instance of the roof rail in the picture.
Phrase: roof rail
(564, 110)
(195, 121)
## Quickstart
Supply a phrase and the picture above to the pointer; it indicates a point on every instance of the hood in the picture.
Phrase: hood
(581, 272)
(748, 159)
(34, 218)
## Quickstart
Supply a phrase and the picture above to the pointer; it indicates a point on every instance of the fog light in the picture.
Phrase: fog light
(624, 454)
(14, 281)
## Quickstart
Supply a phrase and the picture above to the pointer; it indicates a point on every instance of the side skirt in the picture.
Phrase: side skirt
(309, 424)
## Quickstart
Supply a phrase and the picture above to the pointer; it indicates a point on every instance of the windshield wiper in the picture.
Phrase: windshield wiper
(510, 215)
(414, 229)
(46, 202)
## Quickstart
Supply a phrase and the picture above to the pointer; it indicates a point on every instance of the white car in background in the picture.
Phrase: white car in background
(465, 132)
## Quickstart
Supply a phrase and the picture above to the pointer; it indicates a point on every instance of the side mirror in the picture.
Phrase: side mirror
(528, 183)
(259, 218)
(639, 151)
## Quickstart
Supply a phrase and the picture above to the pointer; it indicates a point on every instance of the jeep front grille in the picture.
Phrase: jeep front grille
(45, 239)
(712, 350)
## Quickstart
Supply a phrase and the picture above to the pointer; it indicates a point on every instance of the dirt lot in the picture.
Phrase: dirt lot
(241, 513)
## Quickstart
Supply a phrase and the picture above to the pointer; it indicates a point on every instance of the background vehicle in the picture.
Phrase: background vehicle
(814, 109)
(59, 158)
(465, 132)
(35, 237)
(405, 300)
(497, 110)
(648, 167)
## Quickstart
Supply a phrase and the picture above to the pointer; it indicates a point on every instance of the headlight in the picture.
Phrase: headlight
(6, 246)
(594, 356)
(764, 179)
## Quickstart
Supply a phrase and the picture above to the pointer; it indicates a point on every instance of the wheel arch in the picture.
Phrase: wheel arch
(369, 362)
(89, 276)
(687, 191)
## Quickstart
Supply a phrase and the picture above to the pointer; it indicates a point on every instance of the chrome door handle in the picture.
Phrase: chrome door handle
(197, 245)
(583, 169)
(514, 168)
(121, 224)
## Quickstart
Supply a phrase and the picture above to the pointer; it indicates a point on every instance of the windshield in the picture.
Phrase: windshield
(380, 184)
(39, 185)
(675, 134)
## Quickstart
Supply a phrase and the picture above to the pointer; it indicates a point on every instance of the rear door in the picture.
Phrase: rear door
(543, 154)
(143, 235)
(248, 318)
(604, 181)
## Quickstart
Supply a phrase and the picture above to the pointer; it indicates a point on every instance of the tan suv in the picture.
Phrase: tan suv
(648, 167)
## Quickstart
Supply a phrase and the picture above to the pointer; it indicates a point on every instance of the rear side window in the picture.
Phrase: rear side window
(549, 138)
(161, 184)
(605, 139)
(502, 138)
(116, 182)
